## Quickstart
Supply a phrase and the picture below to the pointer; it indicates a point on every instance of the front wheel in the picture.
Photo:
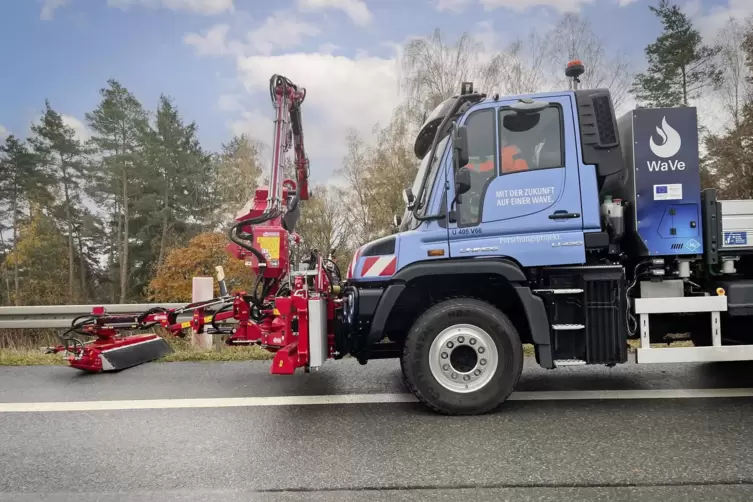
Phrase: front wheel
(462, 357)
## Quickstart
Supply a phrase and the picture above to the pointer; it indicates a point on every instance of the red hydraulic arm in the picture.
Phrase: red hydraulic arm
(267, 252)
(275, 314)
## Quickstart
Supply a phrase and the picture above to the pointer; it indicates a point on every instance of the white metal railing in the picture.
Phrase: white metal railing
(61, 316)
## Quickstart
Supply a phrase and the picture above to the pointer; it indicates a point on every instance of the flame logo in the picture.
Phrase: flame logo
(671, 141)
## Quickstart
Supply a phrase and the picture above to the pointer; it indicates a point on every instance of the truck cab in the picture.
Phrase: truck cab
(531, 220)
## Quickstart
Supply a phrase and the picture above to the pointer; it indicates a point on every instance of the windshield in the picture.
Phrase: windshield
(433, 169)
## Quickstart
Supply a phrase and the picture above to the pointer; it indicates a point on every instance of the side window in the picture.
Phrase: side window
(529, 142)
(482, 154)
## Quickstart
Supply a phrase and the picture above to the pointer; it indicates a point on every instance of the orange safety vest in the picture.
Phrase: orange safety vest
(510, 164)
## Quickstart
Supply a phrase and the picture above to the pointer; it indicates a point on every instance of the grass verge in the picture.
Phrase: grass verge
(16, 350)
(26, 349)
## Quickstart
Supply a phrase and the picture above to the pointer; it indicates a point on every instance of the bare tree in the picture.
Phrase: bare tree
(728, 161)
(736, 88)
(573, 38)
(375, 176)
(355, 171)
(239, 170)
(519, 69)
(433, 70)
(323, 222)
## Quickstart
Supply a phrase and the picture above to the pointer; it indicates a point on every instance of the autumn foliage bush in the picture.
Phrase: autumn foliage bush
(174, 279)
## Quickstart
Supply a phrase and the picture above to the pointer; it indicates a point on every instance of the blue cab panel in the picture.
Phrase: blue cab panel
(532, 212)
(536, 216)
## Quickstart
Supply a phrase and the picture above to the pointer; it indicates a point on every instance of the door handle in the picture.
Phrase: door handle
(562, 215)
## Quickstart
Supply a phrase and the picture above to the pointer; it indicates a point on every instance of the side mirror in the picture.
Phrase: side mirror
(397, 220)
(460, 146)
(462, 185)
(462, 181)
(409, 198)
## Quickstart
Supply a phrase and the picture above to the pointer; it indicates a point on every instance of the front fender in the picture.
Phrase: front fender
(535, 311)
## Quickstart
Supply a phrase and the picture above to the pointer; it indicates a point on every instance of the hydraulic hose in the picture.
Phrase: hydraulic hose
(148, 312)
(214, 316)
(337, 269)
(244, 245)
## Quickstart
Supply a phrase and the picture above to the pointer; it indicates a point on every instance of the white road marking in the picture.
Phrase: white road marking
(235, 402)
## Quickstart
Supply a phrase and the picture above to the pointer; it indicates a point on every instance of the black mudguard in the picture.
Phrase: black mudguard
(534, 306)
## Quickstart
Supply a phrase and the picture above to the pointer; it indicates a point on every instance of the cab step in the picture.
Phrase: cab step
(567, 327)
(586, 308)
(569, 362)
(561, 291)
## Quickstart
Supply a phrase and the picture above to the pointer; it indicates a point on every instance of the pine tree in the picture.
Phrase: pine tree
(169, 191)
(679, 64)
(22, 181)
(180, 168)
(61, 153)
(117, 123)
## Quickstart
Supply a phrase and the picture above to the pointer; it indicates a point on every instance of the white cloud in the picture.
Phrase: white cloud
(204, 7)
(692, 8)
(253, 123)
(523, 5)
(341, 93)
(451, 5)
(328, 48)
(625, 3)
(356, 10)
(711, 21)
(4, 132)
(82, 132)
(279, 31)
(229, 103)
(212, 43)
(49, 7)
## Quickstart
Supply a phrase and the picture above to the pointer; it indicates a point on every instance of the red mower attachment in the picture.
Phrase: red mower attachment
(110, 350)
(115, 347)
(289, 312)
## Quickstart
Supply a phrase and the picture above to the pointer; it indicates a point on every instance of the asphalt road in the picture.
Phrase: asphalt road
(616, 449)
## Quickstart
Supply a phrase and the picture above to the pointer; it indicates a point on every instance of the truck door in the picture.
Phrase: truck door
(524, 200)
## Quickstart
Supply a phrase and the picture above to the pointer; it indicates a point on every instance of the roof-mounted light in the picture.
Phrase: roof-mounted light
(574, 70)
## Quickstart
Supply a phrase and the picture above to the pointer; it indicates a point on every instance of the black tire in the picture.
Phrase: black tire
(415, 358)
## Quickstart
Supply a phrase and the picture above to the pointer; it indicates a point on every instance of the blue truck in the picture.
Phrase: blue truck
(547, 220)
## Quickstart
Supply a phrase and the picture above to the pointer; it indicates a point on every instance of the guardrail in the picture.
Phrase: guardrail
(61, 316)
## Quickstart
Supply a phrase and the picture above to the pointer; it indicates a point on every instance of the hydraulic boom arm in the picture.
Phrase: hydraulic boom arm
(288, 312)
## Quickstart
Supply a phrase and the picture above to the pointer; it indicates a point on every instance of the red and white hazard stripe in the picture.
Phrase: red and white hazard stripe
(379, 266)
(352, 266)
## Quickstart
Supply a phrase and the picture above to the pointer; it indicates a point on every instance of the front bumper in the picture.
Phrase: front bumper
(360, 302)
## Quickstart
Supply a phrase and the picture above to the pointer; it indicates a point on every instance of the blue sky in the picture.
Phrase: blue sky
(214, 57)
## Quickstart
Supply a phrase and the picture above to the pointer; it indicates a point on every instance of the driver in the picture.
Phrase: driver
(512, 160)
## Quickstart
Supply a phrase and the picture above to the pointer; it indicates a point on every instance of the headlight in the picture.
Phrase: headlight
(350, 299)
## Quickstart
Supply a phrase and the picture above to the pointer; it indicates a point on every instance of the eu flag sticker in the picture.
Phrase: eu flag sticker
(668, 192)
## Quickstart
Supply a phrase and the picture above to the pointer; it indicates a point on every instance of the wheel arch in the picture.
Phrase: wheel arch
(500, 282)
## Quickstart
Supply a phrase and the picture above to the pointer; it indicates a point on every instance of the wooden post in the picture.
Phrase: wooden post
(203, 289)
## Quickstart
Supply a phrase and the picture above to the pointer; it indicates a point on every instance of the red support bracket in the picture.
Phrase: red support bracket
(285, 361)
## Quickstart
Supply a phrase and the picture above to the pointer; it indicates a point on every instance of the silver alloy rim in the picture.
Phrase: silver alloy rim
(463, 358)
